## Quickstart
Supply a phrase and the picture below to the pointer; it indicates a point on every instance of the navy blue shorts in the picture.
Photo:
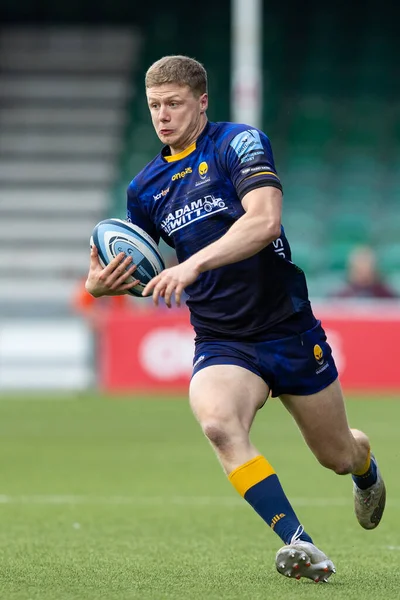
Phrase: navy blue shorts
(301, 364)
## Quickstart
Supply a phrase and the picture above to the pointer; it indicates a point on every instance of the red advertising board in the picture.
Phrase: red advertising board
(152, 351)
(149, 351)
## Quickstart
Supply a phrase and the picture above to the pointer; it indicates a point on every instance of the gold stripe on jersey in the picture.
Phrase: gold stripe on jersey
(263, 173)
(182, 154)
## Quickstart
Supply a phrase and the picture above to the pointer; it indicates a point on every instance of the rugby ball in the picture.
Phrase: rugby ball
(113, 236)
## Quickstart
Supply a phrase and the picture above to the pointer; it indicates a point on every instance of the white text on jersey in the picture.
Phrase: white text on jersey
(189, 213)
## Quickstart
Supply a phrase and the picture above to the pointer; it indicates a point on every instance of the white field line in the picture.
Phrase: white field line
(24, 396)
(223, 501)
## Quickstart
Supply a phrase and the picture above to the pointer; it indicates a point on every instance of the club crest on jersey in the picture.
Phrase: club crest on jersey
(247, 145)
(203, 171)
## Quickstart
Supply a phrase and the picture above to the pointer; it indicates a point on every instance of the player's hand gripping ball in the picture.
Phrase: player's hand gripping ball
(113, 236)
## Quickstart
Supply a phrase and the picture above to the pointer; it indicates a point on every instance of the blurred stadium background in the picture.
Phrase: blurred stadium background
(74, 130)
(120, 500)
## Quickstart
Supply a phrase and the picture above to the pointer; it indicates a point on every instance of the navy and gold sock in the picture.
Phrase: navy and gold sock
(367, 476)
(259, 485)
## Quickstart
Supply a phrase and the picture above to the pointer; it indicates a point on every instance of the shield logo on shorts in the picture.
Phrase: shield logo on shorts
(318, 354)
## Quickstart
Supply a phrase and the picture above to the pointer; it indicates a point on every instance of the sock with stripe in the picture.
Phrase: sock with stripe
(257, 482)
(367, 476)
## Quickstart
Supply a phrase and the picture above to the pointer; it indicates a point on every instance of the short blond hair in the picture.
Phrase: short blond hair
(178, 69)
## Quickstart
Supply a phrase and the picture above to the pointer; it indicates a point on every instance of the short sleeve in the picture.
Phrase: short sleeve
(249, 161)
(136, 214)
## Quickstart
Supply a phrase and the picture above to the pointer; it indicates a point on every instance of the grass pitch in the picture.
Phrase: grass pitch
(114, 499)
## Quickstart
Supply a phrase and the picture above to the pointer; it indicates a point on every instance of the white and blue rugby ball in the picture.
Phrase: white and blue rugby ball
(113, 236)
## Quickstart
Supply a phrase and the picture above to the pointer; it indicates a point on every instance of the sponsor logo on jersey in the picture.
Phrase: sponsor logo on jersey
(251, 170)
(279, 247)
(251, 156)
(182, 174)
(161, 194)
(318, 354)
(247, 145)
(192, 212)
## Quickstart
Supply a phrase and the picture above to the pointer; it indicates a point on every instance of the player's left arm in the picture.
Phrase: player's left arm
(250, 165)
(258, 227)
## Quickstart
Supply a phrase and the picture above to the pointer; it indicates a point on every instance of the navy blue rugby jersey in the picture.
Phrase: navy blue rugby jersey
(190, 200)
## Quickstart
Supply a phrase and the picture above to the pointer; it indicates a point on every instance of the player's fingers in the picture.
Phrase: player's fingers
(114, 264)
(168, 293)
(178, 294)
(130, 285)
(120, 271)
(151, 285)
(122, 274)
(94, 256)
(157, 291)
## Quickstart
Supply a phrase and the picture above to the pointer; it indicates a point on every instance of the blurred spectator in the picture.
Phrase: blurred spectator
(363, 277)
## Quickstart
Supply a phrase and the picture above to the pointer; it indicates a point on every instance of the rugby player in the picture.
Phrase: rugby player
(213, 194)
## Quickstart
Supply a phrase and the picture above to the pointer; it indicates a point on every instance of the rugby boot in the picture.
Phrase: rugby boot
(302, 559)
(369, 504)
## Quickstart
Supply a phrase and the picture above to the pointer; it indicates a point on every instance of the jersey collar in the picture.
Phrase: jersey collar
(172, 158)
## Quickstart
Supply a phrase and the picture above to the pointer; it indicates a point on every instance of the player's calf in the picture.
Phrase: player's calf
(347, 455)
(253, 477)
(257, 482)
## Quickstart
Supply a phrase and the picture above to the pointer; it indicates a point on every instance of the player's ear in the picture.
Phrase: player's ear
(203, 102)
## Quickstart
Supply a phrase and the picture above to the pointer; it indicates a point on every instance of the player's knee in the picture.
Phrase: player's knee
(218, 432)
(339, 464)
(343, 467)
(361, 440)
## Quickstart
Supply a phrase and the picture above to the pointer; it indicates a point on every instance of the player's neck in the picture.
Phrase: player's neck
(191, 139)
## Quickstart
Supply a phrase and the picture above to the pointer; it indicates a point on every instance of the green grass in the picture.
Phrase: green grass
(117, 499)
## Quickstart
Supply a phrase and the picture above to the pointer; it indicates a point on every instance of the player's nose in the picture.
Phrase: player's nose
(163, 114)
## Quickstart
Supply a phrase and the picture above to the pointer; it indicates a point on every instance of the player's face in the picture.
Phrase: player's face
(178, 116)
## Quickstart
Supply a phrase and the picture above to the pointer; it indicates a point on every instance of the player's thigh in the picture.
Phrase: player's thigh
(227, 393)
(322, 419)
